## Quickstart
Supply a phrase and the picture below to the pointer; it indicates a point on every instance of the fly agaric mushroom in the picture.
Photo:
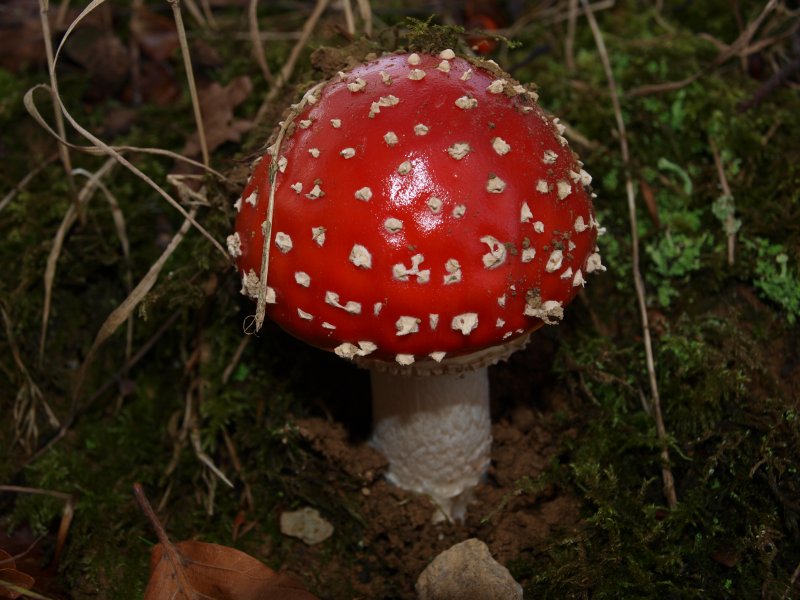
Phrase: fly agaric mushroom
(425, 216)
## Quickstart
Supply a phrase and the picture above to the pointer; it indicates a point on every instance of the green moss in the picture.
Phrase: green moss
(724, 335)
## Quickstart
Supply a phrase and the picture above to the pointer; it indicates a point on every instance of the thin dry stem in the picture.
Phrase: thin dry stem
(366, 15)
(23, 183)
(61, 17)
(120, 314)
(291, 62)
(175, 558)
(100, 147)
(187, 64)
(63, 150)
(29, 399)
(83, 197)
(237, 356)
(196, 13)
(266, 226)
(66, 515)
(255, 38)
(209, 14)
(569, 40)
(666, 471)
(349, 19)
(549, 15)
(726, 189)
(740, 45)
(237, 465)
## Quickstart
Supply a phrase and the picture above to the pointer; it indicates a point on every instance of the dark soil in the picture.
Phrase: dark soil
(398, 536)
(573, 503)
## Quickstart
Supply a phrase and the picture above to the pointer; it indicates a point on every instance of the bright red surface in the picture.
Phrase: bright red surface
(438, 237)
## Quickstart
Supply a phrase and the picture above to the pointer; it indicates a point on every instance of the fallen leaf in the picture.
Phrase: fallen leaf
(650, 202)
(217, 104)
(103, 58)
(155, 34)
(9, 574)
(220, 572)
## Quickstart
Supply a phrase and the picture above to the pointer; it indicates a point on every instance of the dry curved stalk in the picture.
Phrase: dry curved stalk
(95, 150)
(106, 149)
(23, 183)
(66, 515)
(726, 189)
(294, 55)
(255, 38)
(366, 15)
(187, 64)
(67, 222)
(349, 19)
(120, 314)
(655, 401)
(63, 151)
(266, 227)
(569, 40)
(29, 397)
(99, 144)
(739, 46)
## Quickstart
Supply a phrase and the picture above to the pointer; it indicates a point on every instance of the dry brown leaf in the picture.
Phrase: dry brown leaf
(217, 104)
(155, 33)
(9, 574)
(219, 572)
(650, 202)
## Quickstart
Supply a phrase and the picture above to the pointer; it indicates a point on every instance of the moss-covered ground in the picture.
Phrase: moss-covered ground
(725, 334)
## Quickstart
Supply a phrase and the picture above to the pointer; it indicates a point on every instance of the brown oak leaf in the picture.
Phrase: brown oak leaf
(212, 571)
(10, 575)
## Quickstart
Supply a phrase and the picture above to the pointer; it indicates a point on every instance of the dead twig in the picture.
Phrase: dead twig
(366, 15)
(72, 215)
(63, 151)
(174, 557)
(775, 82)
(66, 515)
(120, 314)
(29, 400)
(655, 401)
(291, 62)
(23, 183)
(569, 39)
(237, 355)
(101, 147)
(255, 39)
(739, 45)
(730, 220)
(187, 64)
(792, 580)
(349, 19)
(261, 304)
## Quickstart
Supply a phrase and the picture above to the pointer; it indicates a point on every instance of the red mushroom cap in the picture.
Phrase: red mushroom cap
(423, 206)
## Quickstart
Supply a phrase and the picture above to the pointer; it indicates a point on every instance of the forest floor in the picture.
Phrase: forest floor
(123, 358)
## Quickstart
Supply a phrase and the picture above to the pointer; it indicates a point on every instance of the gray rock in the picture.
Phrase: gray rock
(306, 524)
(467, 570)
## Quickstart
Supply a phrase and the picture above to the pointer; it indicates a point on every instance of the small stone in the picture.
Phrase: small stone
(467, 570)
(306, 524)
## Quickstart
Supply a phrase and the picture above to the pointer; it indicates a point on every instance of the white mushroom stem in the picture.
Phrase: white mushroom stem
(436, 433)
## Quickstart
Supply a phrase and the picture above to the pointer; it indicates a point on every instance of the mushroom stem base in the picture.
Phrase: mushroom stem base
(436, 433)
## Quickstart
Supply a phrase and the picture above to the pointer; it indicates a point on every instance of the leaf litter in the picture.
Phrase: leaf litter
(521, 509)
(192, 570)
